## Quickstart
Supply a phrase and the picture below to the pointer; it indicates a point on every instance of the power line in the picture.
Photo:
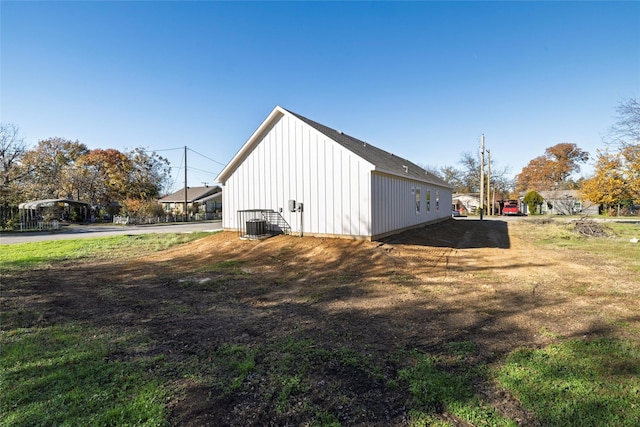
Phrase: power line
(191, 168)
(208, 158)
(164, 149)
(175, 180)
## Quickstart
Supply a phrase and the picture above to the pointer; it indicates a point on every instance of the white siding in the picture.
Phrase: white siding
(286, 159)
(293, 161)
(394, 203)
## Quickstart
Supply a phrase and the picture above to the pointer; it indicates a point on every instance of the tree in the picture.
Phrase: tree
(469, 173)
(466, 179)
(105, 175)
(533, 199)
(48, 168)
(552, 170)
(606, 187)
(141, 207)
(12, 149)
(616, 179)
(631, 170)
(149, 175)
(626, 130)
(452, 176)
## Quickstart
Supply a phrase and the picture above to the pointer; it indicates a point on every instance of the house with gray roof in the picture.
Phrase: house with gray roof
(204, 200)
(323, 182)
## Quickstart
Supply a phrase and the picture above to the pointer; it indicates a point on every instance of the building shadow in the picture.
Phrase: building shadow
(457, 234)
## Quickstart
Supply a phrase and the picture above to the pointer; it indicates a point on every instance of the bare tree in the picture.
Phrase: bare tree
(12, 148)
(626, 130)
(466, 179)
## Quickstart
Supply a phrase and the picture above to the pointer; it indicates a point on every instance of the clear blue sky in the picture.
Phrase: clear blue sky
(423, 80)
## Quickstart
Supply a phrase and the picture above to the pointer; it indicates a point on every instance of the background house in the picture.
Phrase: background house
(326, 183)
(465, 203)
(564, 202)
(205, 201)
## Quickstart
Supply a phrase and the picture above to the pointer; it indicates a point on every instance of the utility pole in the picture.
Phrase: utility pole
(489, 204)
(481, 176)
(186, 214)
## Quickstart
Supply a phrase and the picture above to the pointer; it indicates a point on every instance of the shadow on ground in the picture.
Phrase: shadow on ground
(457, 234)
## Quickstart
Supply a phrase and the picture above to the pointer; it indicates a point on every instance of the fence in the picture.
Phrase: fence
(261, 223)
(135, 220)
(39, 225)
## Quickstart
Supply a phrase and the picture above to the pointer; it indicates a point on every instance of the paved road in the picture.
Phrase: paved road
(99, 230)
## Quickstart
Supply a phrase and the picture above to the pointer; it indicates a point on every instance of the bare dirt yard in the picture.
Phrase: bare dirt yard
(461, 281)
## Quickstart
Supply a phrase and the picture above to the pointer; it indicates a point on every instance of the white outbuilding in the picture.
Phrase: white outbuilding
(298, 175)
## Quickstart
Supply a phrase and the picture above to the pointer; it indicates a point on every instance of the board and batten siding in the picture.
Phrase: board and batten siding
(394, 203)
(293, 161)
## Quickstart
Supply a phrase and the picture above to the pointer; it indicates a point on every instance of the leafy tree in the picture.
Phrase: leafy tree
(105, 175)
(141, 207)
(616, 178)
(149, 174)
(533, 199)
(551, 171)
(631, 170)
(49, 168)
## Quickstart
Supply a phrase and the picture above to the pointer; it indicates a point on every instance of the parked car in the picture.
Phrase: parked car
(510, 209)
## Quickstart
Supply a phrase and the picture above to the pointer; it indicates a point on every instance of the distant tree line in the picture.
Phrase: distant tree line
(58, 168)
(614, 185)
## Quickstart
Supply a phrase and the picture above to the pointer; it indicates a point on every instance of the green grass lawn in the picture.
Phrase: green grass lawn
(562, 234)
(29, 255)
(62, 376)
(577, 382)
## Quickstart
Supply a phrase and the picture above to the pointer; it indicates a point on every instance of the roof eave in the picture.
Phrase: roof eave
(277, 113)
(425, 180)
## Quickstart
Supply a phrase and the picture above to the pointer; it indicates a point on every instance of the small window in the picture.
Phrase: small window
(437, 200)
(428, 200)
(417, 200)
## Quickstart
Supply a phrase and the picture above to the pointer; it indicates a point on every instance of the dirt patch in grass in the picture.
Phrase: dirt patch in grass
(227, 315)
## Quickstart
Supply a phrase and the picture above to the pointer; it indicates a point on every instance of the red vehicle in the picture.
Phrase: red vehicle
(510, 209)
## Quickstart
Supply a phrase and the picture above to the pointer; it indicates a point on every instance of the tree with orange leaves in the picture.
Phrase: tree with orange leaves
(552, 170)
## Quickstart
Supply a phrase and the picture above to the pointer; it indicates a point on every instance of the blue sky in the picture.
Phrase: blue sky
(423, 80)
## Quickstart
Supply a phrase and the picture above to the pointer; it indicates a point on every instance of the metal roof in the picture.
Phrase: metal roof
(194, 194)
(47, 203)
(383, 161)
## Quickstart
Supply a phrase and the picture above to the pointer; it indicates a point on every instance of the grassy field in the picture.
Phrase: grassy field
(83, 373)
(30, 255)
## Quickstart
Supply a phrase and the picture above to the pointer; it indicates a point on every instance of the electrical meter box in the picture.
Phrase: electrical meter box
(292, 205)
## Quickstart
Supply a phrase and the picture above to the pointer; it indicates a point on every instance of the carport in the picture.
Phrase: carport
(54, 209)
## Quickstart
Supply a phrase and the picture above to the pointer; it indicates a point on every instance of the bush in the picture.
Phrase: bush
(533, 199)
(141, 208)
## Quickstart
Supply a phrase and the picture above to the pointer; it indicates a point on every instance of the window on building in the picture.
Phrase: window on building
(428, 200)
(417, 200)
(437, 200)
